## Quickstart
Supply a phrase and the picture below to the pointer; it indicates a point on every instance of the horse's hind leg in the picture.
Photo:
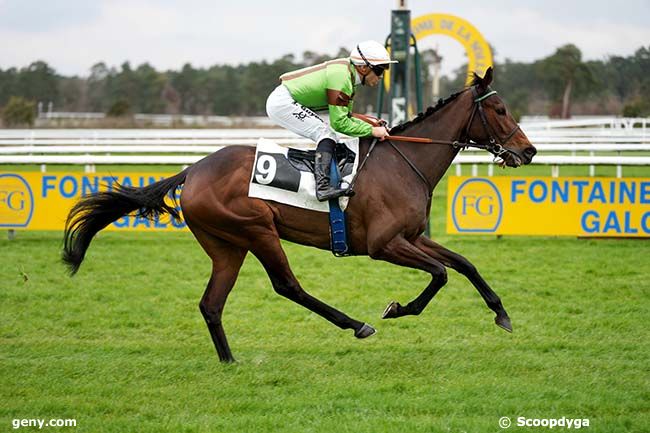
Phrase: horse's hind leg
(226, 262)
(269, 251)
(462, 265)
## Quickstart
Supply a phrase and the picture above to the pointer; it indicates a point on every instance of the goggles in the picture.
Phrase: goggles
(377, 69)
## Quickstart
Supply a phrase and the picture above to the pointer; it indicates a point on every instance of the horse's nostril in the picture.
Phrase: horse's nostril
(529, 152)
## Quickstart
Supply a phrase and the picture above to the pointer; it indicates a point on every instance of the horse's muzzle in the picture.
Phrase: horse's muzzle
(528, 153)
(515, 158)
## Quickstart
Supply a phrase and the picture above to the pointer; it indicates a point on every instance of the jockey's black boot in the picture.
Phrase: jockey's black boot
(324, 190)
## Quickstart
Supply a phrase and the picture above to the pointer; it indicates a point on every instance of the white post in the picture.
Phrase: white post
(555, 171)
(474, 170)
(459, 171)
(436, 78)
(619, 171)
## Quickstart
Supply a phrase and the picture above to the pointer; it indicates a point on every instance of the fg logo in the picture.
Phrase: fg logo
(477, 207)
(16, 201)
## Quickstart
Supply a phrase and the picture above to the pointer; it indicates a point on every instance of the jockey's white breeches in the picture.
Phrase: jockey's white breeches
(286, 112)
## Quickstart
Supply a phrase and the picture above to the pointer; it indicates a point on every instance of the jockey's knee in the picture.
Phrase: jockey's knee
(326, 145)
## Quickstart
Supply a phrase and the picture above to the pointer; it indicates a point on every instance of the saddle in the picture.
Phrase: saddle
(303, 160)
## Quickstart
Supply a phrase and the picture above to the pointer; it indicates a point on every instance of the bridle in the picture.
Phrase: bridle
(495, 145)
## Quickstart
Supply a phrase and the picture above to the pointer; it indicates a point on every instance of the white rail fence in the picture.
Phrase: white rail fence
(186, 146)
(167, 120)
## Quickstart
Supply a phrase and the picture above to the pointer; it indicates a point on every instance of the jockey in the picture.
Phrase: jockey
(328, 86)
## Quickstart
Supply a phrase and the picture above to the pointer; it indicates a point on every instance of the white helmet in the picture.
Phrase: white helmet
(370, 53)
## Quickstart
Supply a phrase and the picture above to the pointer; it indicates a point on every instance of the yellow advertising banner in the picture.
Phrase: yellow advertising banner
(580, 206)
(41, 201)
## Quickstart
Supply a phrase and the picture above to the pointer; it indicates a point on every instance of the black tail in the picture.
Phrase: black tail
(94, 212)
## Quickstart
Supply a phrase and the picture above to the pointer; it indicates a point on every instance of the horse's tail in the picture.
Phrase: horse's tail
(95, 211)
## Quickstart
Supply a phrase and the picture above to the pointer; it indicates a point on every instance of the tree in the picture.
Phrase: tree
(73, 94)
(96, 85)
(18, 112)
(149, 85)
(519, 84)
(38, 82)
(119, 108)
(122, 86)
(8, 84)
(565, 73)
(185, 83)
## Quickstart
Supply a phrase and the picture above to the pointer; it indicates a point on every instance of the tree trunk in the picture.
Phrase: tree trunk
(566, 100)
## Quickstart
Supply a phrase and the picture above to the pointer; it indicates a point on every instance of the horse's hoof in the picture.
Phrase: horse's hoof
(365, 331)
(503, 322)
(391, 311)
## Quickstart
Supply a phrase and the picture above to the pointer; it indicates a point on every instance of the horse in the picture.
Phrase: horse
(386, 217)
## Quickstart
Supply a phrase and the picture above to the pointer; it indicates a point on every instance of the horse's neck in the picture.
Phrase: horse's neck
(447, 124)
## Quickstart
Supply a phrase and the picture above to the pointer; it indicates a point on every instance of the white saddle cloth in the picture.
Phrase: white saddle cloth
(275, 178)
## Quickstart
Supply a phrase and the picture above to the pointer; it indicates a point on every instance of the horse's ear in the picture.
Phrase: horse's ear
(476, 80)
(483, 82)
(487, 78)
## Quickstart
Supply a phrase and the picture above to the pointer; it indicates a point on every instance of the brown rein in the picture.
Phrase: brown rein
(376, 122)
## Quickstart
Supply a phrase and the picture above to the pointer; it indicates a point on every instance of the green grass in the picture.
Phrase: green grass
(122, 347)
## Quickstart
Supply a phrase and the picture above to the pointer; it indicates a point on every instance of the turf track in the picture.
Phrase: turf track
(122, 346)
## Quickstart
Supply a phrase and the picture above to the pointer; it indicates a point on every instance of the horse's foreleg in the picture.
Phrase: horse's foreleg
(226, 262)
(401, 252)
(462, 265)
(270, 253)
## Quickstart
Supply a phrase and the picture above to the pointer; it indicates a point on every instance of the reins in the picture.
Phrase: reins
(494, 146)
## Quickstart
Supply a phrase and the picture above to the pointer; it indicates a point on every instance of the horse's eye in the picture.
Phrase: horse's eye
(501, 111)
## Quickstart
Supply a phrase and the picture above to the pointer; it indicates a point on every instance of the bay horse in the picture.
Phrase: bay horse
(386, 217)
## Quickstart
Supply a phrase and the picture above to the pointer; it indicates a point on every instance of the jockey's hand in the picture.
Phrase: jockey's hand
(380, 132)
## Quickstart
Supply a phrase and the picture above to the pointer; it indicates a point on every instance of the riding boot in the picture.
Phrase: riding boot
(322, 164)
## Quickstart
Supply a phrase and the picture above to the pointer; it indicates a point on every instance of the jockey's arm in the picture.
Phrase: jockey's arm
(340, 89)
(342, 121)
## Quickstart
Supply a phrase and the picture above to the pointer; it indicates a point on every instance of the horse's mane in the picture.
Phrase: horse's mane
(476, 80)
(429, 111)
